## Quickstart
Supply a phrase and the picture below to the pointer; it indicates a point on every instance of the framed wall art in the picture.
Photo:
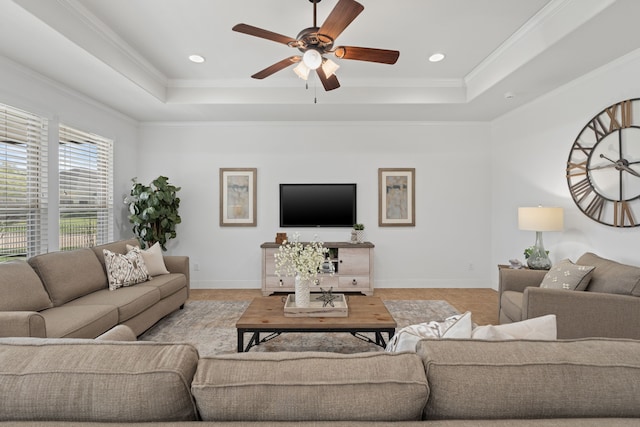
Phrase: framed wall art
(396, 197)
(238, 196)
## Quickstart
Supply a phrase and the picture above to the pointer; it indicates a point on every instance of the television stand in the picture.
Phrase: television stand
(352, 263)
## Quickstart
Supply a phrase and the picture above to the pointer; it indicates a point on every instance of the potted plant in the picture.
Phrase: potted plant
(153, 211)
(358, 230)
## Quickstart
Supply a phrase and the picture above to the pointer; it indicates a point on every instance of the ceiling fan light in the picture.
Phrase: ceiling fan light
(302, 71)
(312, 59)
(329, 67)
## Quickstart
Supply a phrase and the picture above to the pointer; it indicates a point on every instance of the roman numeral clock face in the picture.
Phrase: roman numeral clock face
(603, 169)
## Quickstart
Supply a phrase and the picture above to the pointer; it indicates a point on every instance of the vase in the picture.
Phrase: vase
(359, 236)
(302, 289)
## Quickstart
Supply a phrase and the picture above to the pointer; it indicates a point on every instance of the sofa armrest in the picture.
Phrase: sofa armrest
(512, 279)
(178, 264)
(585, 314)
(22, 324)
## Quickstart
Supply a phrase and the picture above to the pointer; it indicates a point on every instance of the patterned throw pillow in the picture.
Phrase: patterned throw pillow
(125, 270)
(567, 275)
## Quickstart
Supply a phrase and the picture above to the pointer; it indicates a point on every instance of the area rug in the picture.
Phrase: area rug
(210, 327)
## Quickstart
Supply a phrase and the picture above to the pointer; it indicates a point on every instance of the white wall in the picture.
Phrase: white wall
(29, 91)
(530, 147)
(448, 247)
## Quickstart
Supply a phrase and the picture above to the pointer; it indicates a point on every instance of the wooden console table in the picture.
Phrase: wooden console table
(352, 263)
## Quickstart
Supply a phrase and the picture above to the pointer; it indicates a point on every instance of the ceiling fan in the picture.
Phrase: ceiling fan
(314, 42)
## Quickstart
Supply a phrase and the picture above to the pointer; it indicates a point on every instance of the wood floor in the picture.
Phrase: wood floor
(482, 303)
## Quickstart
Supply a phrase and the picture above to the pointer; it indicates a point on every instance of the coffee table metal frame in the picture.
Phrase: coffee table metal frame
(309, 326)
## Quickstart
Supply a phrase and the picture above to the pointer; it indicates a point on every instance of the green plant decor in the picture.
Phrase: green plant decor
(529, 251)
(358, 226)
(153, 211)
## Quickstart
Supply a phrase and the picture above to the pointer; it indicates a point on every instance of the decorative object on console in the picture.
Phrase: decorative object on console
(314, 42)
(540, 219)
(153, 211)
(303, 261)
(603, 168)
(396, 197)
(238, 198)
(358, 230)
(515, 263)
(280, 238)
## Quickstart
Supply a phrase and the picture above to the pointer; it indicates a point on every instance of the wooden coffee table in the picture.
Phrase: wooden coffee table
(266, 314)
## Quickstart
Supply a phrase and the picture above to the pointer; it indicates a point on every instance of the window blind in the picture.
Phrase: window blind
(23, 184)
(86, 189)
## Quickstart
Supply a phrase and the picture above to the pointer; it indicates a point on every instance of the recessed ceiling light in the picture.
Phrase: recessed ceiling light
(436, 57)
(198, 59)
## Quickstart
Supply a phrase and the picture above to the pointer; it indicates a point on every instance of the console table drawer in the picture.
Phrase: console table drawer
(280, 283)
(354, 282)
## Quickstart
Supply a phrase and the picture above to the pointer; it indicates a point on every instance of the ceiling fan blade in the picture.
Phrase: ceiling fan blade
(329, 83)
(382, 56)
(265, 34)
(340, 17)
(281, 65)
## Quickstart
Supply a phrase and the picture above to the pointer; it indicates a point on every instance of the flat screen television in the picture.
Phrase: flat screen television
(317, 205)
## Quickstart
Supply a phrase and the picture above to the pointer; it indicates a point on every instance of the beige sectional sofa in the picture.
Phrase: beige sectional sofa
(608, 307)
(589, 382)
(66, 295)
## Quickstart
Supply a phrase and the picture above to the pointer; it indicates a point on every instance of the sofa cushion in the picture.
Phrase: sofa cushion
(125, 269)
(99, 381)
(473, 379)
(129, 301)
(69, 275)
(21, 288)
(568, 276)
(86, 321)
(167, 284)
(511, 305)
(309, 386)
(611, 277)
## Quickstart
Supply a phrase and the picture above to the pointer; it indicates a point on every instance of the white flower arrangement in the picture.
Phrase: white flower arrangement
(297, 259)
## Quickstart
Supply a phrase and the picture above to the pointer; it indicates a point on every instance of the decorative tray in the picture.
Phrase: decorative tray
(317, 308)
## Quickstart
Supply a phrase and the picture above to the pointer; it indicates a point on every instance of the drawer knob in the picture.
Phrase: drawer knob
(354, 282)
(280, 282)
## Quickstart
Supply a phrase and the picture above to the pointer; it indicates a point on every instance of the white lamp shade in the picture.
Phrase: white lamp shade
(312, 59)
(541, 219)
(329, 67)
(302, 71)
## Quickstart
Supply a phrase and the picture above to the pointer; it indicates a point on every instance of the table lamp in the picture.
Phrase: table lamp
(540, 219)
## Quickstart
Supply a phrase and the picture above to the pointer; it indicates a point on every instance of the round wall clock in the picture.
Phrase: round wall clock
(603, 169)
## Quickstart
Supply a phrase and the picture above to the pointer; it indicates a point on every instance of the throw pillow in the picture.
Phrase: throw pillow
(567, 275)
(153, 259)
(537, 328)
(458, 326)
(125, 270)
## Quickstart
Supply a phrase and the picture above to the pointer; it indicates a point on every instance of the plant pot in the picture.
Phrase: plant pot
(302, 292)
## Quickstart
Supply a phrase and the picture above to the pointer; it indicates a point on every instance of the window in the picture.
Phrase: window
(86, 189)
(23, 184)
